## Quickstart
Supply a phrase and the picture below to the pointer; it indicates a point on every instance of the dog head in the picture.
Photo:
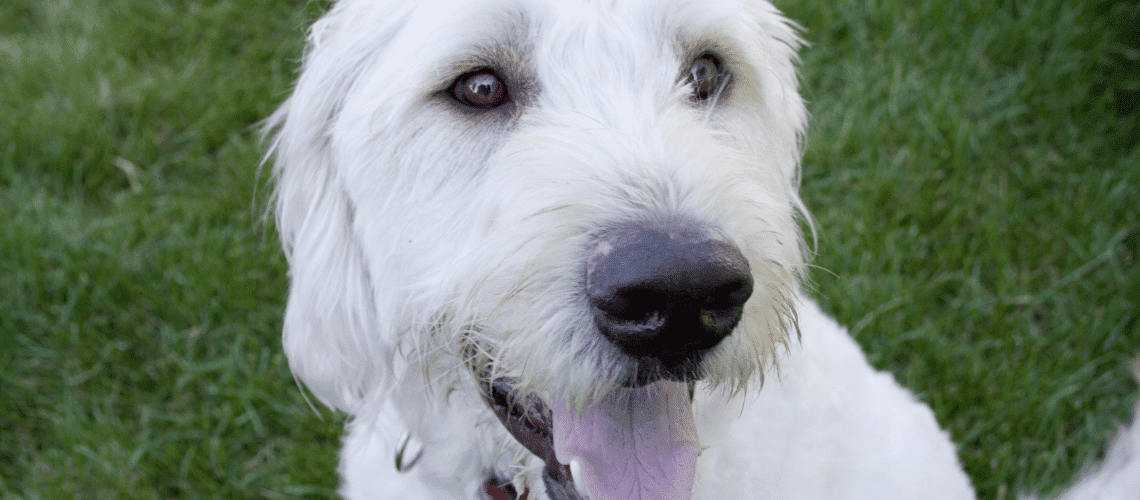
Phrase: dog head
(577, 196)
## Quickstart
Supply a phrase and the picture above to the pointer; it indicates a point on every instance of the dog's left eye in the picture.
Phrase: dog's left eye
(480, 89)
(706, 77)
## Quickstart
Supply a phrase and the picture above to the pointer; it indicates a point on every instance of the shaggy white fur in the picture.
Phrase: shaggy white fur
(449, 176)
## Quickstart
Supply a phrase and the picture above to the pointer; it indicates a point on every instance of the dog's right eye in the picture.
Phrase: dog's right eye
(481, 89)
(707, 77)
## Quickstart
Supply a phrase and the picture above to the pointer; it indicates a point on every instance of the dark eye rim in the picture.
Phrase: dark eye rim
(500, 98)
(720, 79)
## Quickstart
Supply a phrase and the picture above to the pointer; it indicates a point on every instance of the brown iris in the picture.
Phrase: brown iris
(481, 88)
(706, 76)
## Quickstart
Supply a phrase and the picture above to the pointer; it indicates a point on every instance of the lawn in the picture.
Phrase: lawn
(973, 168)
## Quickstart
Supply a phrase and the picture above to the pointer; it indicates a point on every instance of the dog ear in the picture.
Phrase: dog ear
(771, 43)
(332, 338)
(329, 320)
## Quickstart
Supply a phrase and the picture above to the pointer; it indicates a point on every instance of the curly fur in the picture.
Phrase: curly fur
(425, 237)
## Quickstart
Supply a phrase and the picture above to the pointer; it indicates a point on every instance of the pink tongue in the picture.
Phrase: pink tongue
(636, 444)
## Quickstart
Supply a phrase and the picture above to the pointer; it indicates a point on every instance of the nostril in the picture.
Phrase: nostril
(626, 305)
(634, 314)
(729, 295)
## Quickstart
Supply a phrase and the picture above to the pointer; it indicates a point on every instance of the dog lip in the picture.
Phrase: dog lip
(530, 421)
(526, 417)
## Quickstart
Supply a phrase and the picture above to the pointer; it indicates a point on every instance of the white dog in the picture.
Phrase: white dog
(551, 249)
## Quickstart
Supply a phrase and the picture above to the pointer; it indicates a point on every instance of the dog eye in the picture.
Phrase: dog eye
(706, 77)
(480, 89)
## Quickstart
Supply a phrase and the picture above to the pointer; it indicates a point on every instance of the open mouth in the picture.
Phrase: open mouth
(634, 443)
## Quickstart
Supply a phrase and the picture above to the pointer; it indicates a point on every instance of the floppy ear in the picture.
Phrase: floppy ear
(330, 328)
(773, 45)
(770, 43)
(332, 338)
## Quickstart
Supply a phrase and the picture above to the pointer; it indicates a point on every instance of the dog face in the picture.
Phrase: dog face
(538, 192)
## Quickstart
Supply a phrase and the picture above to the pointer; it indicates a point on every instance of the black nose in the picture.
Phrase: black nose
(655, 293)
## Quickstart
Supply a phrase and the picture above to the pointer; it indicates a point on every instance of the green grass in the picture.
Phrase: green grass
(974, 172)
(141, 297)
(973, 169)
